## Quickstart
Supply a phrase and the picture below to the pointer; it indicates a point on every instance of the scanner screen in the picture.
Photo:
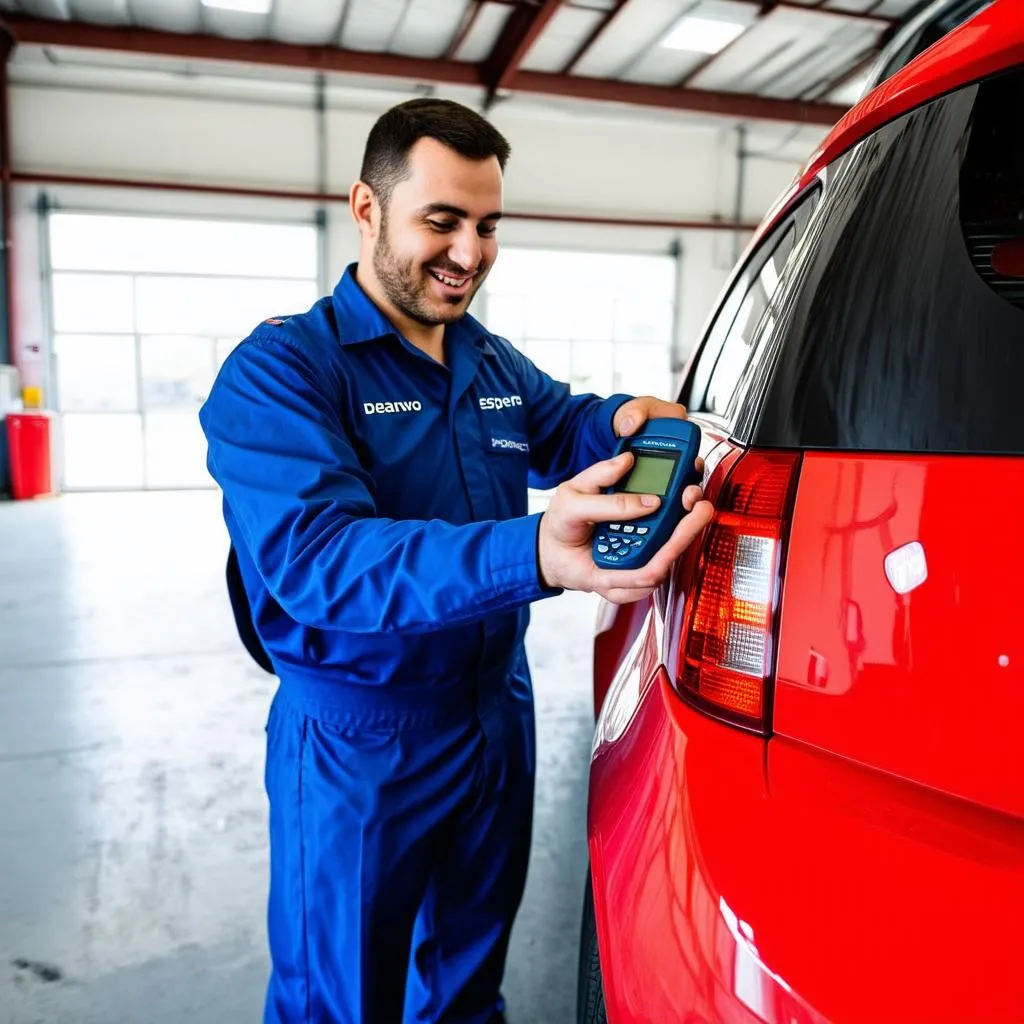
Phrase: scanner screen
(651, 474)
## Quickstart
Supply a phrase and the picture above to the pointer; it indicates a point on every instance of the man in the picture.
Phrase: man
(374, 455)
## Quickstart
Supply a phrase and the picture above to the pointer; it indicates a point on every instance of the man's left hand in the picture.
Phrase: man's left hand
(632, 415)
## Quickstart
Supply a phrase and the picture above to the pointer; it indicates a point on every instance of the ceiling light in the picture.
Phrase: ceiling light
(245, 6)
(703, 35)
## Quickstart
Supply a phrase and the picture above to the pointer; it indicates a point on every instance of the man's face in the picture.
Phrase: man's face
(437, 234)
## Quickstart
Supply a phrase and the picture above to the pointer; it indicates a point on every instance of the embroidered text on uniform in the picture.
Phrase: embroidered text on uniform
(505, 402)
(501, 442)
(375, 407)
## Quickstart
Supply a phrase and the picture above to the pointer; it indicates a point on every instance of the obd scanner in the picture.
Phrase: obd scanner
(665, 454)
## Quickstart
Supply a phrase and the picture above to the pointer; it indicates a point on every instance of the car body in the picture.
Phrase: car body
(922, 30)
(807, 782)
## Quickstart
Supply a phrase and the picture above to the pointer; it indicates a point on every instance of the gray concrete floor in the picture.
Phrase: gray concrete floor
(133, 856)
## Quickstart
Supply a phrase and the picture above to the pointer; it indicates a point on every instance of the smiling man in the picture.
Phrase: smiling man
(374, 455)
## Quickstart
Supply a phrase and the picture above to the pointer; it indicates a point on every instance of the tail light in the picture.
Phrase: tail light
(727, 658)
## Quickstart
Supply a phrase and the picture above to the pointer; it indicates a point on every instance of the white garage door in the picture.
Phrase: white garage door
(145, 310)
(601, 322)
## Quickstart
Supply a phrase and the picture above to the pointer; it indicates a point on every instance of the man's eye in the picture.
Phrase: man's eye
(441, 225)
(488, 230)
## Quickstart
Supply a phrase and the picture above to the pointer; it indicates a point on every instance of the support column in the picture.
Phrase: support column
(6, 211)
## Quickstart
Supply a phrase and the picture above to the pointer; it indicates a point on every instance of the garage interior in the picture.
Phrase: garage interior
(176, 171)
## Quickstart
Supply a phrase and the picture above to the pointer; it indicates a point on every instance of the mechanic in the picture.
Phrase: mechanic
(374, 455)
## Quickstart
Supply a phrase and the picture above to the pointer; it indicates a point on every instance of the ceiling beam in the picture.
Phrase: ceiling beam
(521, 31)
(735, 106)
(857, 68)
(767, 7)
(831, 12)
(598, 30)
(469, 19)
(260, 52)
(712, 223)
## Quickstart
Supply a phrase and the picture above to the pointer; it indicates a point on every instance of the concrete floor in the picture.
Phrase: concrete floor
(133, 855)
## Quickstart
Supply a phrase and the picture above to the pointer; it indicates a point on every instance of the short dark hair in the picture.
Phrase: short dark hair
(386, 157)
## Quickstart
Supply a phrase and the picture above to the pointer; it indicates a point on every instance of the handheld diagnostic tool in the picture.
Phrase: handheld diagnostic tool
(664, 454)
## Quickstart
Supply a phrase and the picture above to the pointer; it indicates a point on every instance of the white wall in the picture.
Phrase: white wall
(585, 160)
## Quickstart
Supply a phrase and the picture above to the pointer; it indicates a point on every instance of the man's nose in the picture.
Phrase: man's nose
(465, 249)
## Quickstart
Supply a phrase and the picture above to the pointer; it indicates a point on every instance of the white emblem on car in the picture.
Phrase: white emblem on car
(906, 568)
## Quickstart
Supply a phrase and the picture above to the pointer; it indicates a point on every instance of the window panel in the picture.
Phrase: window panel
(593, 367)
(154, 336)
(551, 356)
(550, 316)
(506, 317)
(175, 450)
(592, 317)
(642, 369)
(82, 241)
(223, 347)
(177, 371)
(600, 322)
(96, 373)
(102, 450)
(210, 305)
(644, 279)
(650, 322)
(93, 303)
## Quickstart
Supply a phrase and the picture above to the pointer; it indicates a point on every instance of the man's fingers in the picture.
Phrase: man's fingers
(691, 496)
(594, 479)
(654, 573)
(609, 508)
(690, 527)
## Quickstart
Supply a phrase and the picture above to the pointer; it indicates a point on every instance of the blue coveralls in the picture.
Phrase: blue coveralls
(377, 505)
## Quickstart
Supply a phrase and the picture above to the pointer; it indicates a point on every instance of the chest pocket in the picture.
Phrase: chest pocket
(498, 441)
(507, 455)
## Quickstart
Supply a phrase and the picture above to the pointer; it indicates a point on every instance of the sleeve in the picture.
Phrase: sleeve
(305, 509)
(567, 432)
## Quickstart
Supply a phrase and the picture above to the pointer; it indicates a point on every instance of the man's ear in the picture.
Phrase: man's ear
(365, 209)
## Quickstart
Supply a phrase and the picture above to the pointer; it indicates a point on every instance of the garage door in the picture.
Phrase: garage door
(601, 322)
(144, 311)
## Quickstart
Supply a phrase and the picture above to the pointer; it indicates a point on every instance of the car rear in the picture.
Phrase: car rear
(807, 798)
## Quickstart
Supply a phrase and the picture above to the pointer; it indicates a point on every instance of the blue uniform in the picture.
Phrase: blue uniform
(376, 502)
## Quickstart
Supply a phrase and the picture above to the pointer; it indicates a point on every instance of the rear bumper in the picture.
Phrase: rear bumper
(738, 881)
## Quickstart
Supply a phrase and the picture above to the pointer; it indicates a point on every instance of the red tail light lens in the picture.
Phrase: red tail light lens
(729, 652)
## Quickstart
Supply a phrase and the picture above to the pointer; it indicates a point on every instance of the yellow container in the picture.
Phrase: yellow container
(32, 397)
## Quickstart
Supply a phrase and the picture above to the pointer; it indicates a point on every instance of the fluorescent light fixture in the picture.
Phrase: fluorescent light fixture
(702, 35)
(245, 6)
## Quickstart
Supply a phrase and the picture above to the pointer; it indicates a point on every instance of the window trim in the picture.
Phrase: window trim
(732, 300)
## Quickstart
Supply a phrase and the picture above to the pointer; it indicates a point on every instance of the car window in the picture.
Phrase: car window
(728, 347)
(901, 320)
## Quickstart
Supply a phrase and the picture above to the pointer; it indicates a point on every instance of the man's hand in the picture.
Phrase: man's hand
(566, 532)
(632, 415)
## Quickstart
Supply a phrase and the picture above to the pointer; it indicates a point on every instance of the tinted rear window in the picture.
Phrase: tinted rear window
(900, 323)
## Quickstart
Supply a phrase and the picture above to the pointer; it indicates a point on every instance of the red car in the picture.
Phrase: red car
(807, 783)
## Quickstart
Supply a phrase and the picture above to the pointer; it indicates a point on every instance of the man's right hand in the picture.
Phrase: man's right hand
(566, 533)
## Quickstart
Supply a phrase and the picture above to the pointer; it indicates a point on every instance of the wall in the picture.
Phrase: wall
(584, 160)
